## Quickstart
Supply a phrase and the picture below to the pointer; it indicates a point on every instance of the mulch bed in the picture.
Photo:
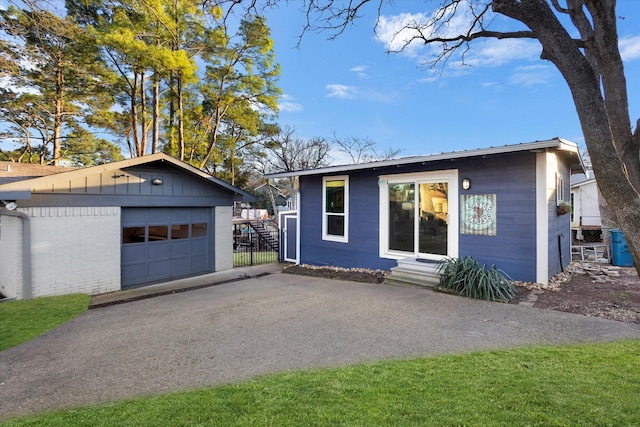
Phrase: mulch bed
(610, 297)
(337, 273)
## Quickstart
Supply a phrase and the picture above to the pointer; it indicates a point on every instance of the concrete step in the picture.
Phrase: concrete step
(397, 277)
(412, 272)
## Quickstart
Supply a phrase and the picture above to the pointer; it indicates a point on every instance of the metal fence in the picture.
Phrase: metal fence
(255, 242)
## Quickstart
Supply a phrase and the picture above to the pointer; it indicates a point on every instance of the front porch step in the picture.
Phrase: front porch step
(415, 273)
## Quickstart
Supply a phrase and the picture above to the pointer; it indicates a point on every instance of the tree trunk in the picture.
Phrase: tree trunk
(155, 134)
(214, 135)
(615, 170)
(134, 115)
(143, 115)
(181, 142)
(57, 118)
(171, 121)
(272, 198)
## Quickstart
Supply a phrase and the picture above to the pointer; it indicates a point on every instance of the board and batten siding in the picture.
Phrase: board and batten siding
(131, 187)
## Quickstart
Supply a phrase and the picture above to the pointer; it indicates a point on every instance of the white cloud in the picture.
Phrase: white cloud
(429, 79)
(287, 104)
(398, 33)
(360, 70)
(341, 91)
(531, 75)
(393, 33)
(629, 48)
(494, 53)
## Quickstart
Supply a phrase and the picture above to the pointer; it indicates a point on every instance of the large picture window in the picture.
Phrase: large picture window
(418, 215)
(335, 203)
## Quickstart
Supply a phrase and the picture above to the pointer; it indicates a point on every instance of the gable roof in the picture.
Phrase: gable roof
(28, 182)
(555, 143)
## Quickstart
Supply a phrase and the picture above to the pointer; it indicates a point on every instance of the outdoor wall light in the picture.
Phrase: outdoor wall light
(9, 205)
(156, 181)
(466, 184)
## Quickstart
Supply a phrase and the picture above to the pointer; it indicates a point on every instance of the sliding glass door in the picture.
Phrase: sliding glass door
(417, 215)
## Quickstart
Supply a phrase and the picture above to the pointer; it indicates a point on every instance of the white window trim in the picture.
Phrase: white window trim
(450, 176)
(331, 237)
(559, 188)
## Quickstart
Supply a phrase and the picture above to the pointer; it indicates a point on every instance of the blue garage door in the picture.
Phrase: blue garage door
(165, 243)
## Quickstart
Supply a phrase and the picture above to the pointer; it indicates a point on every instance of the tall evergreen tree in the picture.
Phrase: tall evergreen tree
(54, 78)
(239, 88)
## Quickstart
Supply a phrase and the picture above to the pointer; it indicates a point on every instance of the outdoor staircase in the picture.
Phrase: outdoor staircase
(268, 237)
(414, 272)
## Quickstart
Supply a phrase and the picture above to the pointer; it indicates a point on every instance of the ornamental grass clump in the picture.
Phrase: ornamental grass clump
(467, 277)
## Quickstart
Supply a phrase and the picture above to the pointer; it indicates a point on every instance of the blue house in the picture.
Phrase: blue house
(500, 205)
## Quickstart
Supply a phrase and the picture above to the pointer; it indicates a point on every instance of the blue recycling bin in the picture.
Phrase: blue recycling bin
(620, 253)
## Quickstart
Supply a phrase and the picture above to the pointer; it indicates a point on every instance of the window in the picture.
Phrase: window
(179, 231)
(199, 230)
(559, 188)
(335, 214)
(133, 234)
(158, 232)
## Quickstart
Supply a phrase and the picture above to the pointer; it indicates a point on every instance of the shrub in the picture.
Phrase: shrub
(466, 277)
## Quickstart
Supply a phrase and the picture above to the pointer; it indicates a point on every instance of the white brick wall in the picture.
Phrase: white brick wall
(75, 250)
(11, 256)
(223, 239)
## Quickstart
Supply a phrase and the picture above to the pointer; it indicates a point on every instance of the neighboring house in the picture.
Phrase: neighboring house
(113, 226)
(585, 218)
(498, 205)
(283, 199)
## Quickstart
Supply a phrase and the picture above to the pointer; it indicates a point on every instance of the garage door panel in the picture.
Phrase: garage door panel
(159, 250)
(200, 215)
(159, 269)
(199, 246)
(200, 263)
(181, 266)
(180, 248)
(177, 243)
(159, 216)
(179, 215)
(134, 217)
(134, 253)
(134, 273)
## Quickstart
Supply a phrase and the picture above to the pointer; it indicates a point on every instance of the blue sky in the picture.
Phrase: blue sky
(351, 87)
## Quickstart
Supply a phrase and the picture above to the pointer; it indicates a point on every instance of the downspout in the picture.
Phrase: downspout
(26, 250)
(560, 236)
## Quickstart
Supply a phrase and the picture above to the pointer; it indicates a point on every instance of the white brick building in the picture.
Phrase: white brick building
(109, 227)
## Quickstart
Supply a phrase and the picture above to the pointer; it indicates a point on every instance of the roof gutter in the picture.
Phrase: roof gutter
(26, 250)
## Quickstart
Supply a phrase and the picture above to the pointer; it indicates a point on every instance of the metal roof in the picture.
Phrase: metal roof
(556, 143)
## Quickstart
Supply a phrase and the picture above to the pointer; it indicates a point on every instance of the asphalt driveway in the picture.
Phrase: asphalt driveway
(274, 323)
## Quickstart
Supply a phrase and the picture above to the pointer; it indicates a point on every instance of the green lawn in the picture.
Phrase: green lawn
(22, 320)
(585, 385)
